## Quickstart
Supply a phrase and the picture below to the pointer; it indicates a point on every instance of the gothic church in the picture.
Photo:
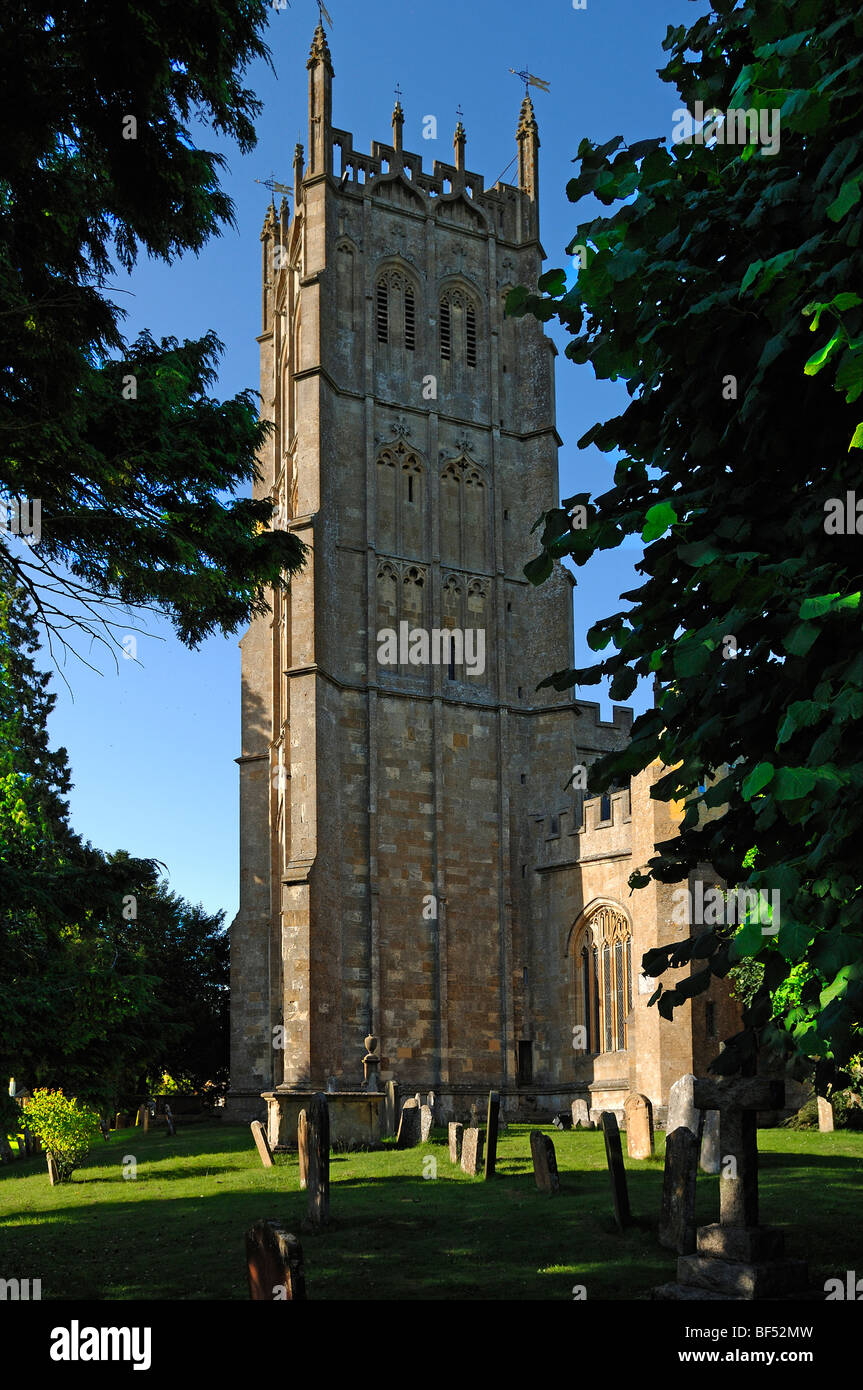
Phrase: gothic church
(414, 864)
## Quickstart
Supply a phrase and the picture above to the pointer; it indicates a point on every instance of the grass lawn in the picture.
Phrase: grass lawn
(176, 1231)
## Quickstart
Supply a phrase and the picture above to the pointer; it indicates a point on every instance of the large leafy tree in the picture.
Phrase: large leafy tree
(137, 466)
(106, 974)
(724, 289)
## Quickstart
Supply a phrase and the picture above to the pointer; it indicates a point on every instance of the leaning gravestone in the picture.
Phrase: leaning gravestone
(303, 1148)
(409, 1126)
(711, 1155)
(275, 1263)
(616, 1170)
(682, 1112)
(471, 1151)
(737, 1259)
(677, 1221)
(52, 1171)
(544, 1162)
(425, 1123)
(639, 1126)
(493, 1119)
(261, 1144)
(318, 1120)
(581, 1115)
(391, 1107)
(825, 1115)
(456, 1131)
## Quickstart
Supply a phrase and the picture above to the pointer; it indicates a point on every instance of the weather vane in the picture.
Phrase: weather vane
(530, 80)
(324, 14)
(273, 185)
(398, 93)
(459, 113)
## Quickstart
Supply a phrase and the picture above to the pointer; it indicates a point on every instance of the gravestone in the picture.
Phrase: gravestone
(409, 1126)
(456, 1132)
(639, 1126)
(562, 1120)
(616, 1170)
(544, 1162)
(52, 1170)
(419, 1100)
(425, 1123)
(303, 1148)
(6, 1154)
(263, 1147)
(431, 1101)
(471, 1151)
(491, 1133)
(145, 1118)
(825, 1115)
(275, 1263)
(677, 1220)
(169, 1121)
(711, 1156)
(103, 1125)
(391, 1107)
(475, 1116)
(737, 1259)
(318, 1121)
(581, 1115)
(682, 1113)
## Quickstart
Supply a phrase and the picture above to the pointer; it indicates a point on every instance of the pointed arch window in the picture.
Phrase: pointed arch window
(603, 992)
(396, 310)
(459, 322)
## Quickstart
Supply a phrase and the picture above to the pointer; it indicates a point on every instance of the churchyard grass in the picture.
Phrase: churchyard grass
(177, 1229)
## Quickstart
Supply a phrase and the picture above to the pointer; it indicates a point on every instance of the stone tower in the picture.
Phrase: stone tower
(388, 786)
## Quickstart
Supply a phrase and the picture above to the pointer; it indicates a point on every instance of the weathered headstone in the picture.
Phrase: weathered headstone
(52, 1170)
(639, 1126)
(581, 1115)
(391, 1107)
(616, 1170)
(172, 1128)
(456, 1132)
(263, 1147)
(303, 1148)
(475, 1116)
(682, 1112)
(825, 1115)
(711, 1156)
(431, 1101)
(492, 1121)
(409, 1126)
(318, 1120)
(737, 1259)
(563, 1120)
(275, 1263)
(677, 1221)
(425, 1123)
(544, 1162)
(471, 1151)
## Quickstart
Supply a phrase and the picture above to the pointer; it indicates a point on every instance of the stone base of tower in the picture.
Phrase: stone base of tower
(241, 1107)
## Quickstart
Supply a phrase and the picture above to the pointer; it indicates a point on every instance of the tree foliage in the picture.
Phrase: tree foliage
(724, 289)
(136, 464)
(107, 975)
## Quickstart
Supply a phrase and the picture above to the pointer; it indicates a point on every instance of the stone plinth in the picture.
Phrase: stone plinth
(356, 1117)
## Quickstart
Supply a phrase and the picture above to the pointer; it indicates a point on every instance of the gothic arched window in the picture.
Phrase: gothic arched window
(396, 310)
(603, 987)
(458, 320)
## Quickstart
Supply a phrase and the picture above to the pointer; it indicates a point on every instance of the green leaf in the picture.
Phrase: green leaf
(827, 603)
(822, 356)
(857, 438)
(657, 521)
(539, 569)
(849, 194)
(757, 780)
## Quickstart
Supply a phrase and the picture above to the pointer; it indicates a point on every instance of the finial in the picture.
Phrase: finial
(398, 119)
(459, 141)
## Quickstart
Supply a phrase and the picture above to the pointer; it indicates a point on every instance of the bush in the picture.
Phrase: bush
(66, 1127)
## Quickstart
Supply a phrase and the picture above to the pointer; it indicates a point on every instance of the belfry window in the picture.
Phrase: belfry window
(602, 963)
(410, 319)
(470, 335)
(445, 330)
(383, 315)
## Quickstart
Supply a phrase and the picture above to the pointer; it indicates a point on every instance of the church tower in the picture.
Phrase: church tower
(390, 778)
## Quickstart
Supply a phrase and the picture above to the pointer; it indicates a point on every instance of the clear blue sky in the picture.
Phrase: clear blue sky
(152, 747)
